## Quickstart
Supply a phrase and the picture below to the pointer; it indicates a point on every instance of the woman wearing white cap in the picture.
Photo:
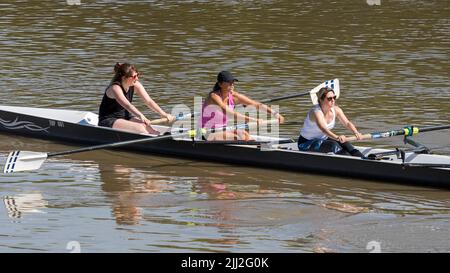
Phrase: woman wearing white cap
(221, 102)
(316, 134)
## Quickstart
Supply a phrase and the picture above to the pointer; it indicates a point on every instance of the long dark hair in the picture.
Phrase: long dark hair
(123, 70)
(216, 87)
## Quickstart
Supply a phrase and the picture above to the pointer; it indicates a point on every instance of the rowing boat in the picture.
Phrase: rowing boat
(411, 167)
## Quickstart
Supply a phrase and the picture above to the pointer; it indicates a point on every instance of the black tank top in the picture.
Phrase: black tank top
(110, 108)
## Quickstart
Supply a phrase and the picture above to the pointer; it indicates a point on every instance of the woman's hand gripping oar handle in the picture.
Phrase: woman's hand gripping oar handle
(354, 138)
(169, 122)
(159, 121)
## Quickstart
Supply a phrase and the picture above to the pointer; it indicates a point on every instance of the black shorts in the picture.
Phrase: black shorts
(107, 122)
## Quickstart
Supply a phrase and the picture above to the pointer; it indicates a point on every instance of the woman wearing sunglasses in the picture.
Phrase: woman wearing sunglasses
(116, 110)
(316, 134)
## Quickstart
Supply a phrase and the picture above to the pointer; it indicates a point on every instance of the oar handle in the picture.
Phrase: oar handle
(254, 124)
(178, 117)
(242, 126)
(159, 121)
(353, 138)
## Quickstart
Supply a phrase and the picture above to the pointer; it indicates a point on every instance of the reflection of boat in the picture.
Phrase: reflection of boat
(21, 204)
(79, 127)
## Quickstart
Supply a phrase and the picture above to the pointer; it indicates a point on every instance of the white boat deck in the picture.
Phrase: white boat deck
(71, 116)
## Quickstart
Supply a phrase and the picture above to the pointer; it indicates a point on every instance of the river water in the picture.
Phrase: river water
(391, 58)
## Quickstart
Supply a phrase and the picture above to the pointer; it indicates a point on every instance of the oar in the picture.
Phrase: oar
(286, 97)
(406, 131)
(27, 160)
(330, 83)
(177, 118)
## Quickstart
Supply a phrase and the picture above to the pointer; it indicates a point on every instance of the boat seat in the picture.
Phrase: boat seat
(89, 119)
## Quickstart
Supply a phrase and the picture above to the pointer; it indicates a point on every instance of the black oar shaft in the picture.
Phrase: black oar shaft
(157, 138)
(406, 131)
(434, 128)
(285, 97)
(110, 145)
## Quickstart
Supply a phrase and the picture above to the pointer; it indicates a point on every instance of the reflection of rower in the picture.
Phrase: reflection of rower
(21, 204)
(214, 188)
(127, 187)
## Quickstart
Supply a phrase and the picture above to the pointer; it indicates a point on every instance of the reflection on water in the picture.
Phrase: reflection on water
(19, 205)
(393, 64)
(126, 186)
(144, 203)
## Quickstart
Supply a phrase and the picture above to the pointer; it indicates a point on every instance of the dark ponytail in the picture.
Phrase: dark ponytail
(216, 87)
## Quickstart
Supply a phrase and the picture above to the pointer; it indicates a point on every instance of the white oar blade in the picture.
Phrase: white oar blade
(18, 161)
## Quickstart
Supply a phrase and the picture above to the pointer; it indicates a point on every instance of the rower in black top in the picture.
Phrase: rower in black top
(110, 110)
(117, 111)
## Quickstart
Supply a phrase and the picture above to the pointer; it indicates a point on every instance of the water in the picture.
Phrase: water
(393, 63)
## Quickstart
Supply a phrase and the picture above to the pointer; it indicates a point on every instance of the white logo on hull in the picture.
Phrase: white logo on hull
(17, 125)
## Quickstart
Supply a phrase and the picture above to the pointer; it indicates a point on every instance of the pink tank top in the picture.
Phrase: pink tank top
(213, 116)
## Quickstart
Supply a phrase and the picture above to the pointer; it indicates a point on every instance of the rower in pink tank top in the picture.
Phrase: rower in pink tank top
(214, 110)
(213, 116)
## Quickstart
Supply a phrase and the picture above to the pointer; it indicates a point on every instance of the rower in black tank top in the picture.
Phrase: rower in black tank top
(110, 110)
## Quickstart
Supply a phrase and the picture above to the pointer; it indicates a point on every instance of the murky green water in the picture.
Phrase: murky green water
(393, 63)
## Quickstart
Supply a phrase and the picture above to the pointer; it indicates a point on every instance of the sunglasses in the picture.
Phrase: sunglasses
(134, 77)
(331, 98)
